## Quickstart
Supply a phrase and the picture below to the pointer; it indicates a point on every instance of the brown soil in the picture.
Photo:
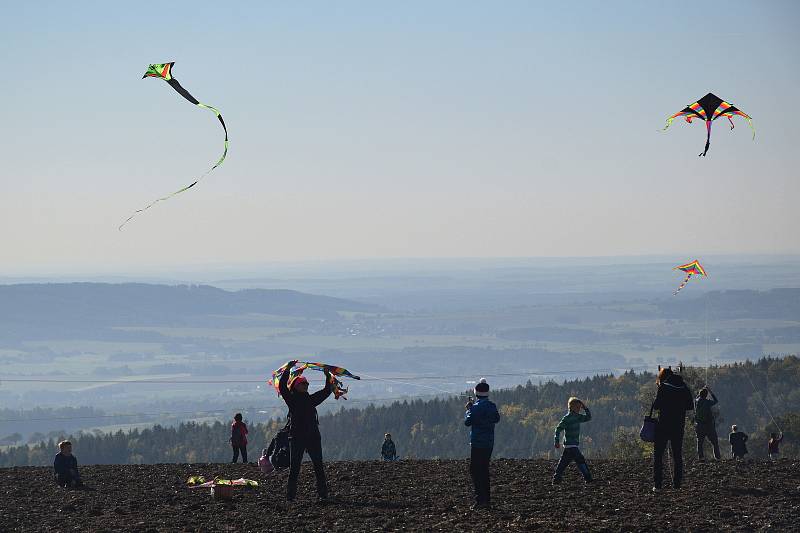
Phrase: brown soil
(409, 496)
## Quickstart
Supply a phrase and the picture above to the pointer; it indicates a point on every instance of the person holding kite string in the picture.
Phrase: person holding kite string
(704, 424)
(304, 433)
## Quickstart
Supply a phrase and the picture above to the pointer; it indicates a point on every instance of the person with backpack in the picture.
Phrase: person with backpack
(704, 425)
(304, 433)
(239, 438)
(673, 399)
(388, 449)
(738, 441)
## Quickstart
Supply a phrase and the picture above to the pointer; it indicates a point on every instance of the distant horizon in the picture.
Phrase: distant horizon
(243, 269)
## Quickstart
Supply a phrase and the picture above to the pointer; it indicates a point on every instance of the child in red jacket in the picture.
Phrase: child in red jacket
(239, 438)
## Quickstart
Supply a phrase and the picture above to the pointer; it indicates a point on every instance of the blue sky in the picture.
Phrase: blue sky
(378, 129)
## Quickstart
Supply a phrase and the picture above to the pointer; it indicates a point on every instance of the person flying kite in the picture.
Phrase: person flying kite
(709, 108)
(691, 269)
(164, 71)
(335, 372)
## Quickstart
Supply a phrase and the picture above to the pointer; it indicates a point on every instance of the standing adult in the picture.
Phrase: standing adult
(480, 417)
(704, 424)
(239, 438)
(304, 433)
(673, 399)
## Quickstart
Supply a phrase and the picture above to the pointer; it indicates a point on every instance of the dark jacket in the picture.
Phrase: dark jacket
(65, 465)
(388, 450)
(738, 440)
(481, 418)
(239, 434)
(702, 410)
(303, 408)
(672, 401)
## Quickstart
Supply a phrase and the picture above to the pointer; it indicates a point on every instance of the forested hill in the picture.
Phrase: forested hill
(73, 305)
(747, 393)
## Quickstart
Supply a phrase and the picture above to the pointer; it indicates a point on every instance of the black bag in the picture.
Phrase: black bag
(280, 455)
(648, 431)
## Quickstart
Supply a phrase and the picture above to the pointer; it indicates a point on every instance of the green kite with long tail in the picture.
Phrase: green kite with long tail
(164, 72)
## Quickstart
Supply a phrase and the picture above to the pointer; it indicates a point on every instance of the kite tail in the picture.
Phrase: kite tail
(669, 123)
(682, 285)
(708, 139)
(154, 202)
(221, 121)
(750, 122)
(195, 182)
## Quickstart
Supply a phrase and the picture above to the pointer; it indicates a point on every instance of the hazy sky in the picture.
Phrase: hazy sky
(394, 129)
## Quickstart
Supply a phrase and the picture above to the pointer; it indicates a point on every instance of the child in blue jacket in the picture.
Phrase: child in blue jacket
(480, 417)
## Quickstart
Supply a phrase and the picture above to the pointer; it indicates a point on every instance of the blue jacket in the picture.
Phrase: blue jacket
(64, 465)
(481, 418)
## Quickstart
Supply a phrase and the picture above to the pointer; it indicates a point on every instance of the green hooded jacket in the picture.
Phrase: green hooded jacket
(571, 425)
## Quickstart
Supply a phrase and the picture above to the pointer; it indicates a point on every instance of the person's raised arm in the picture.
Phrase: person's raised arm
(714, 400)
(322, 394)
(587, 414)
(283, 384)
(468, 414)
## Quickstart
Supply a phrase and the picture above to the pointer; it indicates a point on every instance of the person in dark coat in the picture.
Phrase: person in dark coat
(239, 438)
(304, 428)
(673, 399)
(65, 466)
(388, 449)
(737, 439)
(480, 417)
(704, 424)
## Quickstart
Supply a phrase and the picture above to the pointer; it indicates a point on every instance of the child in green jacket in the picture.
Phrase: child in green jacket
(571, 426)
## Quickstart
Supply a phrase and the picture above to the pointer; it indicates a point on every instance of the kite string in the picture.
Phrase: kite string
(758, 395)
(408, 383)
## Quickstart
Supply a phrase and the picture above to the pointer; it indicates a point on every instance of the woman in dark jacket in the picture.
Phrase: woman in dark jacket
(304, 428)
(672, 401)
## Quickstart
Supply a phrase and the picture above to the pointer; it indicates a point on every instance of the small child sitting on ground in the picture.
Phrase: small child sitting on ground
(66, 466)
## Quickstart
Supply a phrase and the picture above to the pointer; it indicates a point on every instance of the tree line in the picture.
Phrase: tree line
(749, 395)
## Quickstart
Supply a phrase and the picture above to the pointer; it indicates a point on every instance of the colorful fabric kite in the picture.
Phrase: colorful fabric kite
(164, 72)
(691, 269)
(710, 108)
(335, 372)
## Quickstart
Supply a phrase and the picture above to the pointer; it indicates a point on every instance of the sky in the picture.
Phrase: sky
(393, 129)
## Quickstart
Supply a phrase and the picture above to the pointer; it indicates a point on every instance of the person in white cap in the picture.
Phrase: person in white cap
(481, 416)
